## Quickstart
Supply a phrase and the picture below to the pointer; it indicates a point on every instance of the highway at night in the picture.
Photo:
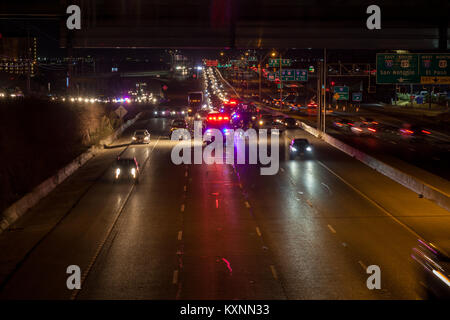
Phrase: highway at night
(220, 158)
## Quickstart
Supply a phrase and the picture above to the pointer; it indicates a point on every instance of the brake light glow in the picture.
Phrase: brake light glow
(426, 132)
(372, 129)
(407, 131)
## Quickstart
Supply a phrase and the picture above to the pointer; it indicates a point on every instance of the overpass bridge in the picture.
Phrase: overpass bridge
(413, 25)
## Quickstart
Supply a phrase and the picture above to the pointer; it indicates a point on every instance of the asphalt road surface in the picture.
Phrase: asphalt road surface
(219, 231)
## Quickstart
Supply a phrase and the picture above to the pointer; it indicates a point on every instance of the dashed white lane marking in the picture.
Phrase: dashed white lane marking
(247, 204)
(258, 232)
(393, 142)
(182, 208)
(184, 188)
(372, 201)
(180, 235)
(331, 228)
(362, 265)
(309, 203)
(274, 272)
(186, 174)
(175, 277)
(281, 169)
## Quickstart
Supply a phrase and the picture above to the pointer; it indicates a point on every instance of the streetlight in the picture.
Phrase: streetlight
(273, 54)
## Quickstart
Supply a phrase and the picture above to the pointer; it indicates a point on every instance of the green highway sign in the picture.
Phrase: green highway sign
(301, 75)
(434, 68)
(341, 93)
(288, 75)
(357, 96)
(423, 68)
(271, 76)
(276, 62)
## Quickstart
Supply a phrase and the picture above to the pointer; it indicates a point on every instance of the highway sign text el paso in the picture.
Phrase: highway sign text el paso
(423, 68)
(434, 68)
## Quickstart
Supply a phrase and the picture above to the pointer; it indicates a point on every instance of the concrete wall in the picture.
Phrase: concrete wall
(440, 197)
(21, 206)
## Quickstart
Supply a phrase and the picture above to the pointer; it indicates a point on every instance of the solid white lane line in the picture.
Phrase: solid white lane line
(331, 228)
(274, 272)
(258, 232)
(175, 277)
(111, 228)
(372, 201)
(180, 235)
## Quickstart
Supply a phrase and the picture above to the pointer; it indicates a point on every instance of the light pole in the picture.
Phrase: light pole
(281, 86)
(261, 61)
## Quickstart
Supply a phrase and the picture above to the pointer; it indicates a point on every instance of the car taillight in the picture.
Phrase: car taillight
(426, 132)
(372, 129)
(350, 124)
(407, 131)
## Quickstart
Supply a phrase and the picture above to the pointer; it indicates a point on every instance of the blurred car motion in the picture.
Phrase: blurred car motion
(432, 265)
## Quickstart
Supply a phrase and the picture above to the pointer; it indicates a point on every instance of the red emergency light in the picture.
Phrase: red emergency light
(218, 118)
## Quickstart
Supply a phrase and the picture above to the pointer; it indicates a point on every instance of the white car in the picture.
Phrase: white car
(141, 136)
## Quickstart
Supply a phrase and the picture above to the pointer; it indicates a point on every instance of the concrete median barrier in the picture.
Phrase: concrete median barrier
(21, 206)
(440, 197)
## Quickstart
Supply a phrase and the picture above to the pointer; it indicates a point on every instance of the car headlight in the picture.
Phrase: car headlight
(308, 149)
(117, 172)
(134, 138)
(261, 123)
(133, 172)
(147, 137)
(294, 149)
